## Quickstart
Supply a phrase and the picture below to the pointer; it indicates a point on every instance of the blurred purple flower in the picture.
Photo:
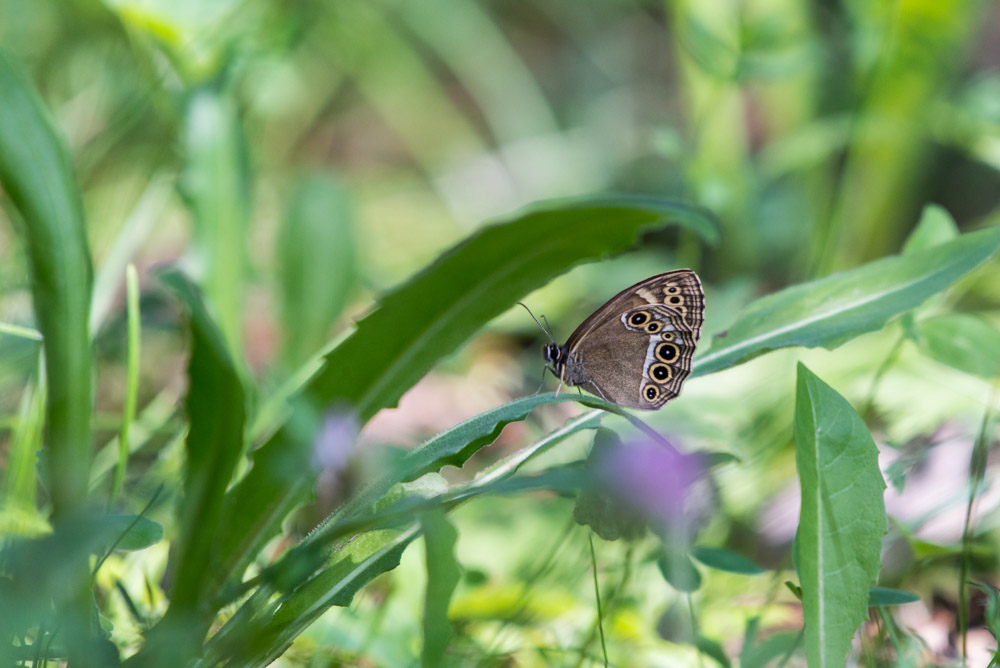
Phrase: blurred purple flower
(654, 480)
(335, 441)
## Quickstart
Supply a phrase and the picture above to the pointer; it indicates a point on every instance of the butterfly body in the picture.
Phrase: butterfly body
(636, 350)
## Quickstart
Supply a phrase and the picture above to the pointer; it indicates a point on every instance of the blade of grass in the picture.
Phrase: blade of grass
(131, 379)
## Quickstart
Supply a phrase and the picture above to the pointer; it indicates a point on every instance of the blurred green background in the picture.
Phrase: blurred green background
(299, 158)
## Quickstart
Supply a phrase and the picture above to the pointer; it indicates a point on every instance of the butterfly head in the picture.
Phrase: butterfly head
(554, 354)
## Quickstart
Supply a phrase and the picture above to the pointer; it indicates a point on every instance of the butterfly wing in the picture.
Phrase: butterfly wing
(636, 350)
(679, 289)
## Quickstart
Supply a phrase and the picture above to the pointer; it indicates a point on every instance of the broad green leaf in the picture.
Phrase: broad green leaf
(832, 310)
(472, 283)
(842, 518)
(316, 260)
(725, 560)
(36, 174)
(442, 577)
(961, 341)
(883, 596)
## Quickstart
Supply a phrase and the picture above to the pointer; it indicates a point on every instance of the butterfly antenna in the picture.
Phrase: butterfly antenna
(545, 329)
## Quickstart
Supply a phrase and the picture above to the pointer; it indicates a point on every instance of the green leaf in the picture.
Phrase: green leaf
(842, 518)
(442, 577)
(474, 282)
(316, 265)
(936, 226)
(371, 553)
(130, 532)
(679, 571)
(216, 190)
(961, 341)
(36, 174)
(832, 310)
(216, 411)
(725, 560)
(883, 596)
(711, 648)
(770, 648)
(442, 307)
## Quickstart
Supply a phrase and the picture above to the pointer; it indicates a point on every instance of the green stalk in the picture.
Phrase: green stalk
(131, 379)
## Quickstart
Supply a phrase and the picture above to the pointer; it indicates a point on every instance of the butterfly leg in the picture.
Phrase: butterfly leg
(591, 383)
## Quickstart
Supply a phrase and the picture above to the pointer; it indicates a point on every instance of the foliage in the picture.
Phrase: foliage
(204, 472)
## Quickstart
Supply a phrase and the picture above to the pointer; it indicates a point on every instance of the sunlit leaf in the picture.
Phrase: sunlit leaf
(835, 309)
(842, 518)
(962, 341)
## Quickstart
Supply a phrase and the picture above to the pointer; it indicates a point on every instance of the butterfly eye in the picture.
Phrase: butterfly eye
(666, 352)
(653, 327)
(661, 373)
(676, 299)
(672, 289)
(651, 393)
(639, 318)
(667, 336)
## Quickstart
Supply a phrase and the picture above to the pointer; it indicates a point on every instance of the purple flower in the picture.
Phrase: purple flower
(659, 483)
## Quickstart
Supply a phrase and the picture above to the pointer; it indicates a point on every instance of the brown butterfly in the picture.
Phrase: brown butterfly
(636, 350)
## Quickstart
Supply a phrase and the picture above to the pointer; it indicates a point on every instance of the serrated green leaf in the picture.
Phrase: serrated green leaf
(832, 310)
(474, 282)
(883, 596)
(725, 560)
(963, 342)
(442, 577)
(216, 413)
(842, 518)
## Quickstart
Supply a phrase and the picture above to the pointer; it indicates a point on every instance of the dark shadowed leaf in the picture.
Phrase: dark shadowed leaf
(883, 596)
(725, 560)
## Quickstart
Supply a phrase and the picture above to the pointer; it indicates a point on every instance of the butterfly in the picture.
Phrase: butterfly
(636, 350)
